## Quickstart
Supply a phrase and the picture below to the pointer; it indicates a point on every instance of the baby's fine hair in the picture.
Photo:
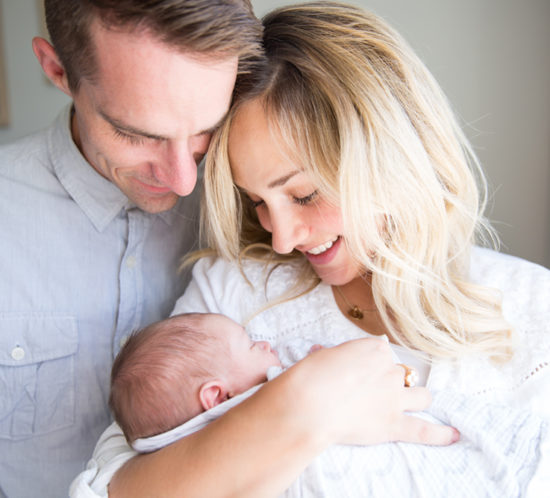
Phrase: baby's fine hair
(352, 105)
(158, 371)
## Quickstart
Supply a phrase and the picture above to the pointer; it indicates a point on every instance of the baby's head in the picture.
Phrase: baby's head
(174, 369)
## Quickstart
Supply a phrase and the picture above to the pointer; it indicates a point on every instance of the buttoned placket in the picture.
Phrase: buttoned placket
(131, 283)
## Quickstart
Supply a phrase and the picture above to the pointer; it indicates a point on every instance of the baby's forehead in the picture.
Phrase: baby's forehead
(222, 328)
(205, 327)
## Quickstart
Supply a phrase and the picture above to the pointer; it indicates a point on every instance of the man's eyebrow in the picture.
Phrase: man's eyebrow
(136, 131)
(119, 125)
(281, 181)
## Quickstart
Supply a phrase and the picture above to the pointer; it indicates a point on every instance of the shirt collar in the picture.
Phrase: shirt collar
(100, 199)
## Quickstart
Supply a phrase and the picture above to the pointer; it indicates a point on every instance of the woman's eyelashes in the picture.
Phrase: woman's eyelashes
(302, 201)
(255, 204)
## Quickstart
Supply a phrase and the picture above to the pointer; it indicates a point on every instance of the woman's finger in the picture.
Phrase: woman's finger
(410, 375)
(412, 429)
(416, 399)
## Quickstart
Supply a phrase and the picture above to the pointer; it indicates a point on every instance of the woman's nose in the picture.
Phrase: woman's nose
(288, 232)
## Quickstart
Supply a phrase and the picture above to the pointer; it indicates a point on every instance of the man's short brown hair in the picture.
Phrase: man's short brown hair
(217, 27)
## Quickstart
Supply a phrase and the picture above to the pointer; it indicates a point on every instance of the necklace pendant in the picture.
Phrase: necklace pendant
(355, 313)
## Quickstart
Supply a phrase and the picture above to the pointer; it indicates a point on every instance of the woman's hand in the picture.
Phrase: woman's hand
(354, 394)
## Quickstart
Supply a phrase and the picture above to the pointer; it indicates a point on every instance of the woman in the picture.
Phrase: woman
(341, 198)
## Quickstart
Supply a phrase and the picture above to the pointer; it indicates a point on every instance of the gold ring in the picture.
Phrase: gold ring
(411, 375)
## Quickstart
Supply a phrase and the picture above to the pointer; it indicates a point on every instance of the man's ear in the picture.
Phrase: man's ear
(51, 65)
(212, 393)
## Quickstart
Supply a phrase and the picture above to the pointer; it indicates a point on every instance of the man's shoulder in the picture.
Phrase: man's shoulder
(34, 149)
(26, 145)
(18, 158)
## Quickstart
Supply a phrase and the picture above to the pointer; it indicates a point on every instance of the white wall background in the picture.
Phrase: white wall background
(33, 102)
(492, 58)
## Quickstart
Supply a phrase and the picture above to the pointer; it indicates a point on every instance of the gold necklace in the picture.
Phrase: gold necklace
(354, 311)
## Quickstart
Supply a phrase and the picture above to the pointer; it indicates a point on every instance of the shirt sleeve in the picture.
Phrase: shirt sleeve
(111, 452)
(201, 295)
(217, 286)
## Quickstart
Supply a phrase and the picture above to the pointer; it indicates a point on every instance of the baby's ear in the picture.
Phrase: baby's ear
(212, 393)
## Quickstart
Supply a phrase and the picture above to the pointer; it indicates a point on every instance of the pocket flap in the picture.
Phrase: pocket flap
(27, 338)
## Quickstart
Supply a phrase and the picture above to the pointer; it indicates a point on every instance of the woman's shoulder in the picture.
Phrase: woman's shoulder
(525, 379)
(524, 286)
(236, 289)
(488, 264)
(249, 273)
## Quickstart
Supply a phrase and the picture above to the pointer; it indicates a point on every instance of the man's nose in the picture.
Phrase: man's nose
(178, 169)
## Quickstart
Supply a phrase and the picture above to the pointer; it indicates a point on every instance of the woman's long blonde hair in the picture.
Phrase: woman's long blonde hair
(356, 108)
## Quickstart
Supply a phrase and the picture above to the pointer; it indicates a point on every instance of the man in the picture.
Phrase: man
(94, 213)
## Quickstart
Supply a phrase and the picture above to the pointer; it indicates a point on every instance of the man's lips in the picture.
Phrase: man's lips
(153, 188)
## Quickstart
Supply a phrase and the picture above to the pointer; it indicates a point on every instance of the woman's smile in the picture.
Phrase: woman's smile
(322, 248)
(324, 253)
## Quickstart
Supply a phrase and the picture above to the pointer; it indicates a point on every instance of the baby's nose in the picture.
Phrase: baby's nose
(264, 345)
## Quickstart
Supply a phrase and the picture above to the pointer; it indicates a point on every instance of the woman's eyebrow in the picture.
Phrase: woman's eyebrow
(282, 180)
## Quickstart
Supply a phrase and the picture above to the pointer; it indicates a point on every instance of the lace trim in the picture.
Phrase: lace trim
(534, 372)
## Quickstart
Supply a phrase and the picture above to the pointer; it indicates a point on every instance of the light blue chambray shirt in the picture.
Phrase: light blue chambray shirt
(80, 269)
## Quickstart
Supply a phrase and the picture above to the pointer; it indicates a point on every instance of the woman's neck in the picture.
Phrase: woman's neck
(356, 302)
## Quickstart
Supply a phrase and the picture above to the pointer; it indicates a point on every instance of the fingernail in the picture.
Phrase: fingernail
(456, 436)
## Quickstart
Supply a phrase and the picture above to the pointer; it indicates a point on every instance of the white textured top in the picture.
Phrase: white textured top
(496, 403)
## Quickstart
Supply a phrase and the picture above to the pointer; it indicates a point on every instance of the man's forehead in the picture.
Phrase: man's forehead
(105, 35)
(155, 92)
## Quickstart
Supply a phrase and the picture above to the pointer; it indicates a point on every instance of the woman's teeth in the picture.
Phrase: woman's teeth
(323, 247)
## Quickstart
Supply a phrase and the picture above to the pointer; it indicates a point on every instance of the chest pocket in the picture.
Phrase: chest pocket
(37, 381)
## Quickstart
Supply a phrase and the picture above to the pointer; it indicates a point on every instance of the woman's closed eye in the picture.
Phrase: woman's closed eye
(302, 201)
(254, 203)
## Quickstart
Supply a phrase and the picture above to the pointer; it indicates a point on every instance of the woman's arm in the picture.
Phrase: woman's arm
(352, 393)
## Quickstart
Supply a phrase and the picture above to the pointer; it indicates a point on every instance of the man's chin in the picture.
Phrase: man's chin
(155, 205)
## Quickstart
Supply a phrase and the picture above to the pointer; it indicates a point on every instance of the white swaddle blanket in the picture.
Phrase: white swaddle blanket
(148, 444)
(497, 455)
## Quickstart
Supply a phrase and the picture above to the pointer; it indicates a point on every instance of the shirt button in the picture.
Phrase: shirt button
(123, 341)
(131, 261)
(18, 353)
